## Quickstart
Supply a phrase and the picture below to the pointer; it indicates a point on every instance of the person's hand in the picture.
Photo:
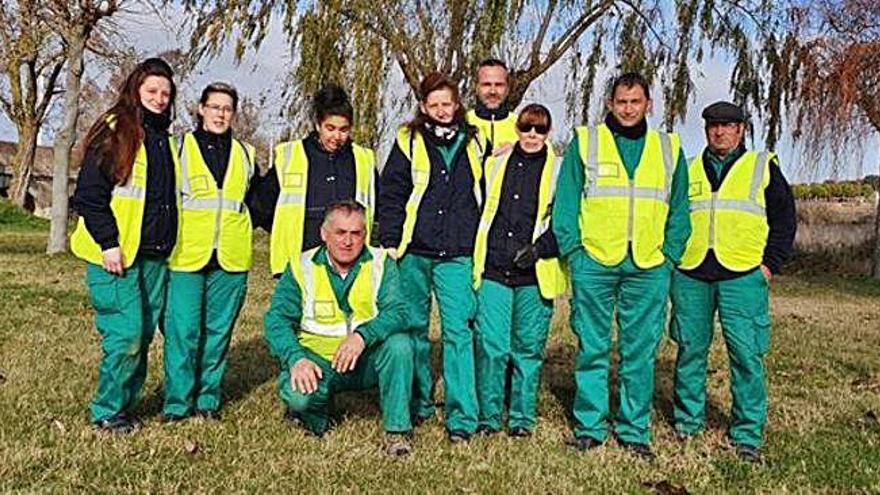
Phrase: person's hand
(304, 376)
(526, 256)
(347, 354)
(502, 149)
(392, 252)
(768, 275)
(113, 261)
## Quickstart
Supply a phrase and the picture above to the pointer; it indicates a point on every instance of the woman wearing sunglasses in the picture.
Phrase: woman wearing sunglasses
(517, 275)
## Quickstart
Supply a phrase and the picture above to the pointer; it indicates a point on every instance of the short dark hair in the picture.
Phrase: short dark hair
(218, 87)
(331, 100)
(628, 80)
(492, 62)
(347, 206)
(535, 114)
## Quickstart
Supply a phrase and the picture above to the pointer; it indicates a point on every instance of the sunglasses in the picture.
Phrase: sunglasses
(539, 128)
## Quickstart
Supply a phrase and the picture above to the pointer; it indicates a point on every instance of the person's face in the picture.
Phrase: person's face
(217, 113)
(440, 106)
(344, 236)
(724, 137)
(629, 105)
(155, 93)
(532, 137)
(333, 132)
(492, 86)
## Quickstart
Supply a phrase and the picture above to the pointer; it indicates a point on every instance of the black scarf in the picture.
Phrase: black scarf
(637, 131)
(156, 121)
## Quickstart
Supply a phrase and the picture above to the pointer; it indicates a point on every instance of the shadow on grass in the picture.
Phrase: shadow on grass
(664, 385)
(250, 366)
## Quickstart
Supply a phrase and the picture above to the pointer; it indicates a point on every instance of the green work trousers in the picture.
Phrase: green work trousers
(511, 329)
(388, 364)
(743, 308)
(452, 284)
(640, 297)
(202, 309)
(127, 310)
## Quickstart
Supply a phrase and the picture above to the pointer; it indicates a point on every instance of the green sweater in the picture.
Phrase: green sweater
(282, 321)
(569, 189)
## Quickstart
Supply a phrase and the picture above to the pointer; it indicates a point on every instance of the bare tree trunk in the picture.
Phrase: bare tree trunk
(23, 162)
(63, 146)
(876, 270)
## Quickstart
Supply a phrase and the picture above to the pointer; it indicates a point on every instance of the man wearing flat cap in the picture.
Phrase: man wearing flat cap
(743, 226)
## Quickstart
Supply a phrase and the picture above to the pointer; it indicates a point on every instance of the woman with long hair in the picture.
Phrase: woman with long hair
(126, 196)
(428, 210)
(209, 265)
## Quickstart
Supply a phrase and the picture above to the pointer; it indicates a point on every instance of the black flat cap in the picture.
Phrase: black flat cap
(722, 112)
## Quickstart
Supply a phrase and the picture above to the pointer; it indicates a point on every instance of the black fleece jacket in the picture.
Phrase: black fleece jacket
(94, 189)
(448, 213)
(514, 222)
(781, 217)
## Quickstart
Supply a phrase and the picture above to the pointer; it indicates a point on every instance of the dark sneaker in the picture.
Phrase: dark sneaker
(583, 444)
(485, 431)
(747, 453)
(120, 425)
(642, 450)
(458, 436)
(293, 418)
(398, 444)
(683, 436)
(519, 432)
(208, 414)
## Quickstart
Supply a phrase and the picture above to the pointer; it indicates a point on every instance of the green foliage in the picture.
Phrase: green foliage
(15, 219)
(834, 190)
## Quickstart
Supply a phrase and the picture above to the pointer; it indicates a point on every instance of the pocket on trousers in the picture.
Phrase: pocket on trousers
(104, 294)
(762, 334)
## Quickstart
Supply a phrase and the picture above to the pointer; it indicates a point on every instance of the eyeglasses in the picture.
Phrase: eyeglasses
(219, 109)
(525, 127)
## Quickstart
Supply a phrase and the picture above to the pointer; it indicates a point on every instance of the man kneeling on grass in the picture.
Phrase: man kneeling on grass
(336, 323)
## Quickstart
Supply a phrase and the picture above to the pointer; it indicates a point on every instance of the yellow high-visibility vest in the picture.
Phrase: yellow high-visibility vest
(498, 132)
(732, 221)
(413, 148)
(127, 204)
(212, 218)
(292, 168)
(551, 278)
(617, 212)
(321, 312)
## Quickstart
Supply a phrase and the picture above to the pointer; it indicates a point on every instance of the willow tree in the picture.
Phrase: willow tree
(372, 45)
(831, 84)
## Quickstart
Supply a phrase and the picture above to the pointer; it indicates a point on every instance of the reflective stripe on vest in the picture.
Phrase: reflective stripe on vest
(212, 218)
(127, 204)
(321, 312)
(618, 213)
(551, 279)
(292, 169)
(414, 149)
(498, 132)
(732, 221)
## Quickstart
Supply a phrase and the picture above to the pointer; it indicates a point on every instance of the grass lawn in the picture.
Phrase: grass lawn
(824, 429)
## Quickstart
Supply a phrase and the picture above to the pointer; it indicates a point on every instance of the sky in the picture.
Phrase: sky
(263, 73)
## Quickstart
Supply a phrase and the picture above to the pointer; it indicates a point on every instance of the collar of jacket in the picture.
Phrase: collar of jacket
(156, 121)
(217, 140)
(541, 154)
(314, 141)
(637, 131)
(485, 113)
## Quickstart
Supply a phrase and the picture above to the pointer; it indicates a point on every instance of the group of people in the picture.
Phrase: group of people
(471, 208)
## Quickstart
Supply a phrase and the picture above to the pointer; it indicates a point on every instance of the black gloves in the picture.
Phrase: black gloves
(526, 256)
